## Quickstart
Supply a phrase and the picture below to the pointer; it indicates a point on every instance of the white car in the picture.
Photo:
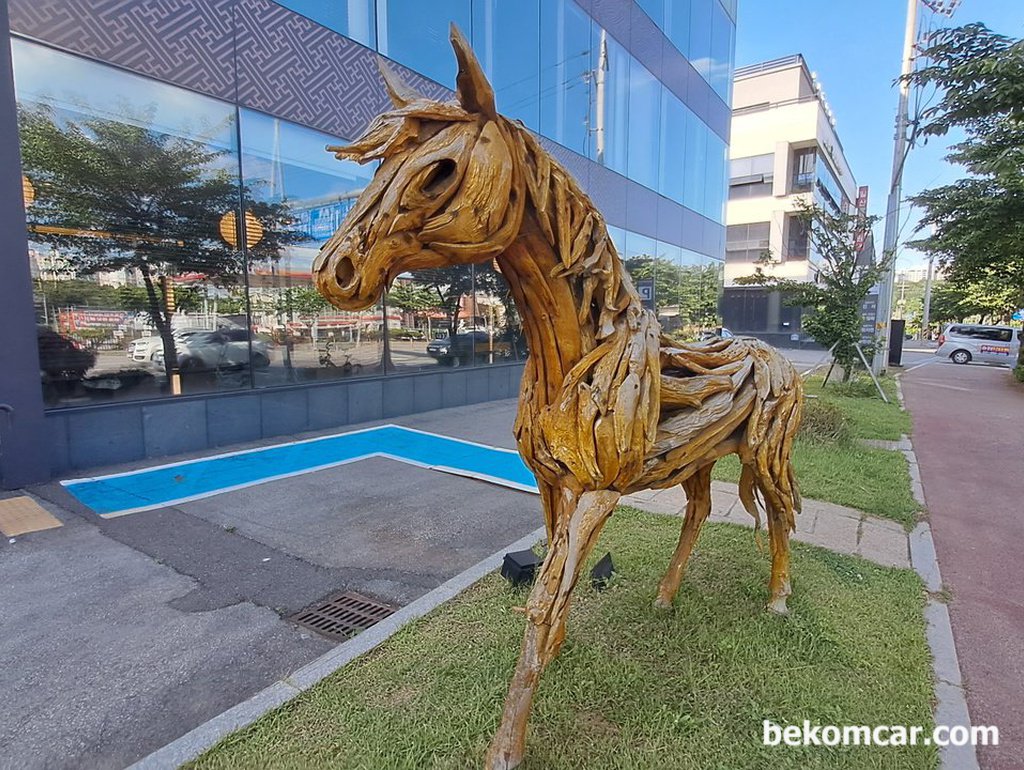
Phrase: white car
(144, 348)
(963, 343)
(226, 348)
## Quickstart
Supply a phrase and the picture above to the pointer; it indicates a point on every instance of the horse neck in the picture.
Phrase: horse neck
(566, 311)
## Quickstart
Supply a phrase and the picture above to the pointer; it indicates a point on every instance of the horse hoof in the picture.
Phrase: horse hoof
(497, 761)
(661, 603)
(778, 606)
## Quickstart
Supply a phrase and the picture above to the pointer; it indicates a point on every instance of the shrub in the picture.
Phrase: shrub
(1018, 372)
(861, 387)
(825, 423)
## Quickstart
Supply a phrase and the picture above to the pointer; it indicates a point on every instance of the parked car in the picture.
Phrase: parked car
(62, 359)
(144, 348)
(460, 349)
(720, 333)
(963, 343)
(221, 349)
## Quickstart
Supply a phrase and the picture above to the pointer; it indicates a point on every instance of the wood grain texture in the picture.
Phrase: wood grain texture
(607, 405)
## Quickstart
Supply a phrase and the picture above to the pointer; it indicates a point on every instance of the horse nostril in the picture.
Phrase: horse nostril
(344, 271)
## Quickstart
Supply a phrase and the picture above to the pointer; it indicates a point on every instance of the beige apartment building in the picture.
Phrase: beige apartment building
(784, 149)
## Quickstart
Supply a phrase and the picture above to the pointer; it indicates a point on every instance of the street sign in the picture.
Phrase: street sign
(1019, 315)
(645, 288)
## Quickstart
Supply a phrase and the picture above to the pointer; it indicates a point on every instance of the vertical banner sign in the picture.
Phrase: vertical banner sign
(862, 215)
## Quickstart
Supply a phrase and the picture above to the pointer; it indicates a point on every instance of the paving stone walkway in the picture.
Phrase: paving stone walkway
(831, 526)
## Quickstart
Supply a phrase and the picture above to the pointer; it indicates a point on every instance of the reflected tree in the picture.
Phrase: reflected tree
(116, 195)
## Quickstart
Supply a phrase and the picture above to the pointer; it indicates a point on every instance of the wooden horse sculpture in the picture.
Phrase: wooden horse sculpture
(607, 405)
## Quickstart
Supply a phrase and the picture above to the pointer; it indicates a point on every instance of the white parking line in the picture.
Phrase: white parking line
(918, 366)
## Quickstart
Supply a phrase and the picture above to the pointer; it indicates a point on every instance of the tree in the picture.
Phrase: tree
(114, 195)
(450, 284)
(411, 297)
(844, 282)
(690, 288)
(978, 222)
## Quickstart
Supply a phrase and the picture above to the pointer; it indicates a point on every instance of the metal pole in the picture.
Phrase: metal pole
(602, 68)
(892, 213)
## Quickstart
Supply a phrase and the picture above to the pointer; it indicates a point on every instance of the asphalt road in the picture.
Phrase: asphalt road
(969, 441)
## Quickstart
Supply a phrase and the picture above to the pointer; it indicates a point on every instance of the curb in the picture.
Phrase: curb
(199, 739)
(950, 695)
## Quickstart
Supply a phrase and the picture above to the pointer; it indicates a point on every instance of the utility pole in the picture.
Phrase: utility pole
(892, 213)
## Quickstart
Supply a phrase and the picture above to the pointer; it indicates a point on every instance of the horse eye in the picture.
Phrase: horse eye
(439, 175)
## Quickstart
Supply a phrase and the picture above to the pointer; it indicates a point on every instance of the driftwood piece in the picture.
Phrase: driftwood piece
(607, 406)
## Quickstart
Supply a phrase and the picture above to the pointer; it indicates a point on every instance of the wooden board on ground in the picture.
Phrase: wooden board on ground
(21, 515)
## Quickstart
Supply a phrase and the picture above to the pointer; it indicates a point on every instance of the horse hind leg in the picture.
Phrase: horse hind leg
(577, 525)
(778, 585)
(698, 507)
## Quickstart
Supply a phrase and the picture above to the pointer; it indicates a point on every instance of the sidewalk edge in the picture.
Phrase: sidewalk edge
(950, 695)
(199, 739)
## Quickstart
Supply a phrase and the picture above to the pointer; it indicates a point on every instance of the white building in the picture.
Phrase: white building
(784, 149)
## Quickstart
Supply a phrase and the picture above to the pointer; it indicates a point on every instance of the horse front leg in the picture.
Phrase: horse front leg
(574, 535)
(698, 508)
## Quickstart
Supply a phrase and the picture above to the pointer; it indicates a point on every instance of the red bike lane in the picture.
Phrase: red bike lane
(969, 441)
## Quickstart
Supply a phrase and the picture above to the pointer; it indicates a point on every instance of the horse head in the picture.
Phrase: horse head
(446, 191)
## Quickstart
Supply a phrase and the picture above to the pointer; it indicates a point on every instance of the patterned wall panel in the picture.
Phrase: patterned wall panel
(292, 67)
(182, 42)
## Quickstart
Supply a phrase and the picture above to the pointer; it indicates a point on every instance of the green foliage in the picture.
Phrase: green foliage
(632, 688)
(114, 195)
(1018, 372)
(977, 222)
(824, 422)
(451, 283)
(691, 288)
(836, 299)
(411, 297)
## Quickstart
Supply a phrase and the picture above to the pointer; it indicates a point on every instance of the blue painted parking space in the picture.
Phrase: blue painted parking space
(120, 494)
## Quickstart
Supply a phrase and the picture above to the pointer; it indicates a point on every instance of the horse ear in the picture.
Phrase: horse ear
(400, 92)
(472, 89)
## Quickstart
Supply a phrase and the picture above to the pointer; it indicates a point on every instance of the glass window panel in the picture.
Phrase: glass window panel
(677, 24)
(673, 141)
(506, 37)
(696, 164)
(299, 194)
(655, 9)
(716, 184)
(644, 126)
(566, 76)
(722, 32)
(133, 187)
(351, 18)
(415, 33)
(699, 53)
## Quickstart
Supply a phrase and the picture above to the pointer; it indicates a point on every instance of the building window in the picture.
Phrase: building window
(751, 177)
(803, 169)
(797, 239)
(747, 243)
(351, 18)
(566, 76)
(507, 40)
(416, 34)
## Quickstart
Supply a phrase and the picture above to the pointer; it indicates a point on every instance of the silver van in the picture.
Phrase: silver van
(963, 343)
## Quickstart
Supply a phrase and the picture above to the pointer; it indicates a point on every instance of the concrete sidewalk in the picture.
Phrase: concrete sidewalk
(835, 527)
(121, 635)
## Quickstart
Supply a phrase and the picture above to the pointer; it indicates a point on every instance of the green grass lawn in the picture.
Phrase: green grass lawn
(634, 687)
(872, 480)
(869, 416)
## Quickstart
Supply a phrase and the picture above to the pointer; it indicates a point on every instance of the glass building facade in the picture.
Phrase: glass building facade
(177, 188)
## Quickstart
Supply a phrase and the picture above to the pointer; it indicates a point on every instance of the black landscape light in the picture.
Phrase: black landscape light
(520, 567)
(602, 572)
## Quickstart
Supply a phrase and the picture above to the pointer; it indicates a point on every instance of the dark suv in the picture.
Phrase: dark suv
(461, 349)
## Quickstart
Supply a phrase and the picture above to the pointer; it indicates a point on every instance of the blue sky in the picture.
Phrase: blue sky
(855, 46)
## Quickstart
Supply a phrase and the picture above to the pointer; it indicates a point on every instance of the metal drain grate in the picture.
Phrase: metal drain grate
(342, 615)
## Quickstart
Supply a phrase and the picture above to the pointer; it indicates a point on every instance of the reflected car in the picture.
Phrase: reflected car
(144, 348)
(460, 349)
(721, 333)
(217, 350)
(62, 359)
